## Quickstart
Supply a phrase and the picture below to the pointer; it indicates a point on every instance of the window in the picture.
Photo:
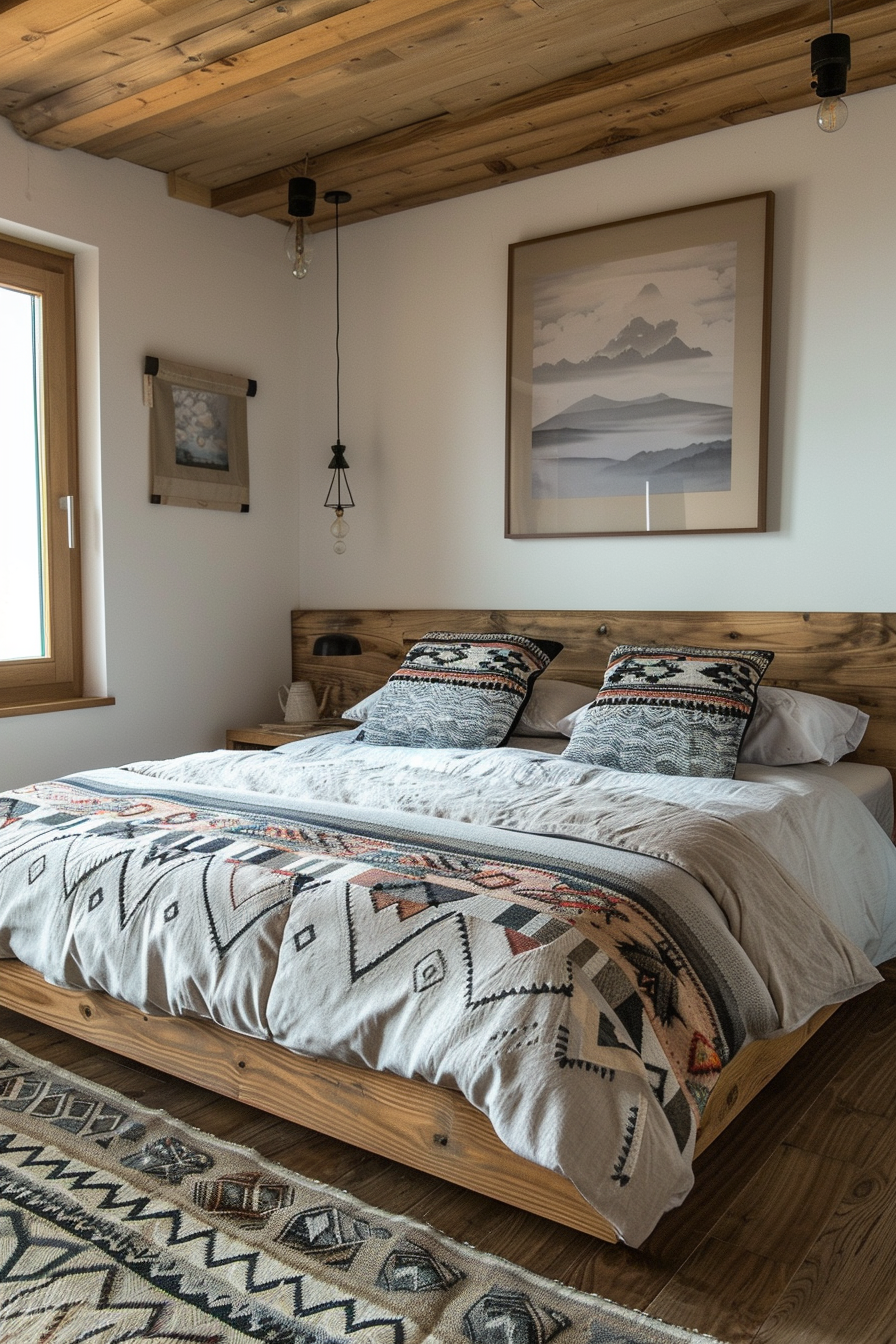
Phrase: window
(40, 582)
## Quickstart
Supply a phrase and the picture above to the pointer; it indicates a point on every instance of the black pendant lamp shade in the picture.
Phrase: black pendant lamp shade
(300, 202)
(302, 197)
(339, 496)
(831, 59)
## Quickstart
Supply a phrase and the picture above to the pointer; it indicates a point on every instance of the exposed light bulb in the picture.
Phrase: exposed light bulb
(832, 114)
(339, 530)
(298, 248)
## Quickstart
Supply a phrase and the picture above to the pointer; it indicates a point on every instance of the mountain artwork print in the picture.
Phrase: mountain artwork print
(633, 375)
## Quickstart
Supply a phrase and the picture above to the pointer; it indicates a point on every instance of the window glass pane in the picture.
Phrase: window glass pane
(22, 617)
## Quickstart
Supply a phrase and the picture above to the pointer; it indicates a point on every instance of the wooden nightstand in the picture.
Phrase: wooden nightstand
(265, 739)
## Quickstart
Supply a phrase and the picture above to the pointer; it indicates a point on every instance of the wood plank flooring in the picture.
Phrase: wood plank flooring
(789, 1236)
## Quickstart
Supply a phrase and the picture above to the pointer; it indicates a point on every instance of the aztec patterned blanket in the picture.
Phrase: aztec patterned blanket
(583, 997)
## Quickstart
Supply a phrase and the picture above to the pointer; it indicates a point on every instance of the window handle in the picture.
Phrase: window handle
(67, 502)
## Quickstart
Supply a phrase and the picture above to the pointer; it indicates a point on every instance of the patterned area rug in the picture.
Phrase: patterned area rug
(119, 1223)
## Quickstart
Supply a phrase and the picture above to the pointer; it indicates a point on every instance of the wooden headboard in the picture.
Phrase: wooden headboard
(849, 656)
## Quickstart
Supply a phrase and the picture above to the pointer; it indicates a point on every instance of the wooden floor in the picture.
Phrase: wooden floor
(788, 1238)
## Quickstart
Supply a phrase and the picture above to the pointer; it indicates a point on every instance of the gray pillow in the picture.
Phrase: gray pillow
(670, 711)
(458, 690)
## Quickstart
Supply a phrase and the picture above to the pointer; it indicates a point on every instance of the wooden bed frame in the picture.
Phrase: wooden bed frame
(846, 656)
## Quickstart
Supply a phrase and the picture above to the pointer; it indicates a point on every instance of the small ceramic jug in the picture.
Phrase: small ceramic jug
(298, 703)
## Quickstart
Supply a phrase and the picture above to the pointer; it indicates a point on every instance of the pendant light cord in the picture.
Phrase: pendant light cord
(338, 435)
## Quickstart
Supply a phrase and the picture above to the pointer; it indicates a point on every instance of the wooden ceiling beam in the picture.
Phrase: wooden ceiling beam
(533, 151)
(405, 102)
(41, 30)
(38, 58)
(136, 92)
(553, 154)
(149, 56)
(340, 106)
(339, 69)
(61, 122)
(718, 58)
(358, 100)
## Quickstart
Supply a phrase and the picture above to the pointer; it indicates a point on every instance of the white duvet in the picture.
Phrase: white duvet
(579, 951)
(814, 828)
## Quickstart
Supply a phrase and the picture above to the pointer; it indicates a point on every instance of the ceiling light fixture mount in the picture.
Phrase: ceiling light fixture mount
(339, 496)
(831, 58)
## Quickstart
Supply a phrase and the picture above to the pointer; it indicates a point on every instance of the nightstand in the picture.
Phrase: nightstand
(264, 737)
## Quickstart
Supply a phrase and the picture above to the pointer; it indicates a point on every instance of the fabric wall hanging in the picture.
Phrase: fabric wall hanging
(198, 441)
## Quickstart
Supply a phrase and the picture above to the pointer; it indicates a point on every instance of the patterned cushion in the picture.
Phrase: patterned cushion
(674, 711)
(458, 691)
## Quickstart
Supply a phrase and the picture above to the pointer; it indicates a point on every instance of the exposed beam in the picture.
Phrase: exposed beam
(405, 102)
(64, 122)
(726, 68)
(564, 147)
(48, 27)
(182, 189)
(167, 53)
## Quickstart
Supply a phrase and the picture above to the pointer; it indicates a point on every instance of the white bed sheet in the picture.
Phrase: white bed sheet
(870, 783)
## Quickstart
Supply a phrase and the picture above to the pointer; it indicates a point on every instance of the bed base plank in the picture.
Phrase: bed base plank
(429, 1128)
(747, 1074)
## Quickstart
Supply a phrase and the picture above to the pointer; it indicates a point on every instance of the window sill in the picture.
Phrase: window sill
(51, 706)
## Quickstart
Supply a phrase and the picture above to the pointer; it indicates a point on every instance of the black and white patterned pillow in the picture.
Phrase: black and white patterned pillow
(455, 690)
(671, 711)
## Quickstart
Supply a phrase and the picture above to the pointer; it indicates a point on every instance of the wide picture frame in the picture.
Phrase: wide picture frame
(637, 374)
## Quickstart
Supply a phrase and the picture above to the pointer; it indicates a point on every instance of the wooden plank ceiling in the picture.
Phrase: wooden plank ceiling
(403, 102)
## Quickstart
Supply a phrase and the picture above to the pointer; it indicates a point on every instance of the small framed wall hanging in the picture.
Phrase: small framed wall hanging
(637, 383)
(198, 440)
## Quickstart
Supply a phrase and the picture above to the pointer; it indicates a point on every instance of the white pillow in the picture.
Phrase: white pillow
(794, 727)
(549, 702)
(360, 711)
(790, 728)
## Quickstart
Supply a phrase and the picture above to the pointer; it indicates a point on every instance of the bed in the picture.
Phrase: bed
(407, 1118)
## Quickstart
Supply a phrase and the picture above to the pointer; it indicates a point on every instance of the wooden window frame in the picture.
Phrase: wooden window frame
(56, 681)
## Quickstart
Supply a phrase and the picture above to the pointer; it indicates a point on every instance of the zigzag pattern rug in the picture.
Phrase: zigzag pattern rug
(118, 1223)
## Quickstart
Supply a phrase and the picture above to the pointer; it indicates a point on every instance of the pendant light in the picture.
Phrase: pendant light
(302, 197)
(339, 495)
(830, 58)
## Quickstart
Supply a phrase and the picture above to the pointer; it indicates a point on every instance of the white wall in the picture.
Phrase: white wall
(424, 313)
(196, 603)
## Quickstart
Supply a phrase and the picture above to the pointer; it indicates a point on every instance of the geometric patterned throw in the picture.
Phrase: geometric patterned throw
(119, 1223)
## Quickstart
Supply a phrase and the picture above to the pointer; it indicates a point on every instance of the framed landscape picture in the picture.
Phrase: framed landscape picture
(637, 384)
